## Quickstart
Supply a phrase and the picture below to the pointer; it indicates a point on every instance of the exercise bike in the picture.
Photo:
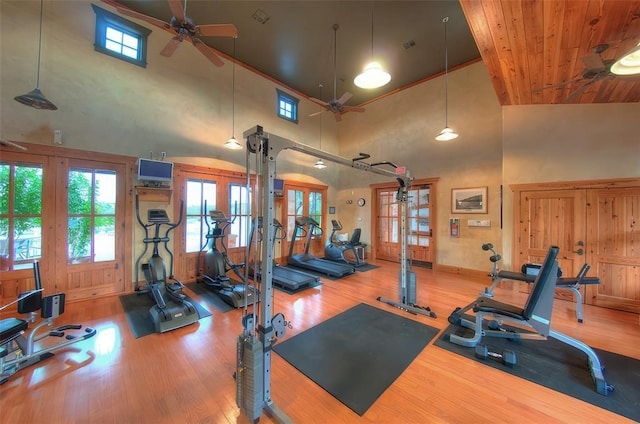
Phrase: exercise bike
(19, 344)
(217, 264)
(171, 309)
(337, 251)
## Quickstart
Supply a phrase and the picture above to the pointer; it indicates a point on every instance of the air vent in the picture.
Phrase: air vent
(409, 44)
(261, 16)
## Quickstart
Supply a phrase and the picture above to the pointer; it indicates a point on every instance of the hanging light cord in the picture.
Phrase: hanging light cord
(233, 93)
(39, 45)
(446, 74)
(372, 30)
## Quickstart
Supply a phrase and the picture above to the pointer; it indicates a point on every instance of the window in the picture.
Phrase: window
(287, 106)
(118, 37)
(240, 215)
(201, 198)
(20, 215)
(296, 207)
(91, 208)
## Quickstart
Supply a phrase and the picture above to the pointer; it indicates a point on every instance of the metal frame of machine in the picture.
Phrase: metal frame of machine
(261, 328)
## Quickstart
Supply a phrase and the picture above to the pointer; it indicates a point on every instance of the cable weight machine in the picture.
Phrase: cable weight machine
(261, 329)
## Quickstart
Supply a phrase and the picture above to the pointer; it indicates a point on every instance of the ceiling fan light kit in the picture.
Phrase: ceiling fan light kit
(35, 98)
(629, 64)
(447, 133)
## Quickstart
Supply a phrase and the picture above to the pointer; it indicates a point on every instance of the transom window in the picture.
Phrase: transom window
(120, 38)
(287, 106)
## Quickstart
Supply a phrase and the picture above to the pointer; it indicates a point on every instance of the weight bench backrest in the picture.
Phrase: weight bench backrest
(539, 304)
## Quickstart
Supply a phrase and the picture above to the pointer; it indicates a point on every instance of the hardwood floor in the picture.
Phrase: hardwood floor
(185, 376)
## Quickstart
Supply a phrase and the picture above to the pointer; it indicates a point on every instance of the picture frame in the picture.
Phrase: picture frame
(469, 200)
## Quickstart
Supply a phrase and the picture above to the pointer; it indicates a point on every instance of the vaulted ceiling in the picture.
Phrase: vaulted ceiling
(536, 52)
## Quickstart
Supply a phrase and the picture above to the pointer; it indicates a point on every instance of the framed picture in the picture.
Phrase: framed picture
(332, 210)
(469, 200)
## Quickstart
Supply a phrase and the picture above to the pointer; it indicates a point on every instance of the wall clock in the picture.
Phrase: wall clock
(361, 202)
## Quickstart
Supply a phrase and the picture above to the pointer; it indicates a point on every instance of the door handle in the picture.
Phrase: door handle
(579, 251)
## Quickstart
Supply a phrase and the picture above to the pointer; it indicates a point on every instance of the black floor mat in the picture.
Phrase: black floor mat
(563, 368)
(358, 353)
(209, 296)
(366, 267)
(136, 308)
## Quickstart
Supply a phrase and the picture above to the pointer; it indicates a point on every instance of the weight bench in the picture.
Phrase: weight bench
(528, 275)
(19, 346)
(535, 315)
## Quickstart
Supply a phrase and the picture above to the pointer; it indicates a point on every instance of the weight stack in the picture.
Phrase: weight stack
(249, 377)
(408, 295)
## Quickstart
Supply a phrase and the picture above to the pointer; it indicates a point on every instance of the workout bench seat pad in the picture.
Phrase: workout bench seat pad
(11, 326)
(490, 305)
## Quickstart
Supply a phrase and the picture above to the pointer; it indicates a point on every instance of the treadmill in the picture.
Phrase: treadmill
(306, 260)
(288, 279)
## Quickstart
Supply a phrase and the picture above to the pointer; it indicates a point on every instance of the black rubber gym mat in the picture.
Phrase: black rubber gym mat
(358, 353)
(209, 296)
(136, 308)
(563, 368)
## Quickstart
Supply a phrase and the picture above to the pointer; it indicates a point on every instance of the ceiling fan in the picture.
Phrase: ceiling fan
(337, 105)
(185, 28)
(595, 69)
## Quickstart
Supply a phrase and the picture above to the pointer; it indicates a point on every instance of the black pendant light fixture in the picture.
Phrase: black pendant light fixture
(35, 98)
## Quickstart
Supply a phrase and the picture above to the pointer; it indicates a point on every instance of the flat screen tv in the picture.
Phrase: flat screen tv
(278, 187)
(155, 171)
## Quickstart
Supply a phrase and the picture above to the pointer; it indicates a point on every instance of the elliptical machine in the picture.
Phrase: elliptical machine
(171, 309)
(335, 250)
(217, 264)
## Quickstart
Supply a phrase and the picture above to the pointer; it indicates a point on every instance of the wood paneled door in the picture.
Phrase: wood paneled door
(595, 224)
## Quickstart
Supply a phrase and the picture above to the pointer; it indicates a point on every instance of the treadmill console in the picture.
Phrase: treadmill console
(158, 216)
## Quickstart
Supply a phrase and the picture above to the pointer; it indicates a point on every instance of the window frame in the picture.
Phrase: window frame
(289, 100)
(105, 19)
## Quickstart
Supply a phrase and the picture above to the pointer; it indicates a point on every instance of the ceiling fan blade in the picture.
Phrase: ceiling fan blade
(338, 116)
(344, 98)
(353, 109)
(593, 62)
(12, 144)
(171, 47)
(561, 84)
(218, 30)
(177, 10)
(319, 101)
(208, 52)
(580, 90)
(318, 113)
(142, 17)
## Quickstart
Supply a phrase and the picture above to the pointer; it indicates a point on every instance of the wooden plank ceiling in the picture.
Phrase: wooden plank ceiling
(535, 49)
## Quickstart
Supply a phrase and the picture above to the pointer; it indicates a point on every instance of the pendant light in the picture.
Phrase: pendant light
(629, 64)
(447, 133)
(35, 98)
(232, 143)
(320, 163)
(373, 75)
